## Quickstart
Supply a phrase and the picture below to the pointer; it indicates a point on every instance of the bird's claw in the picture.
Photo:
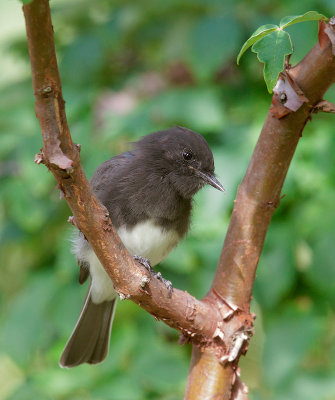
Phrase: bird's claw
(167, 283)
(146, 264)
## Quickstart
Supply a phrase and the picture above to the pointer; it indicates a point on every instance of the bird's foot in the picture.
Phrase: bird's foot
(146, 264)
(167, 283)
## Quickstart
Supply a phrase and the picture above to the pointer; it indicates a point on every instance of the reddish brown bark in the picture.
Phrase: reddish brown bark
(257, 198)
(195, 319)
(221, 324)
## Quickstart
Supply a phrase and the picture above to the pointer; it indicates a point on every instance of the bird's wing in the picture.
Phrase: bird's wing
(107, 172)
(102, 184)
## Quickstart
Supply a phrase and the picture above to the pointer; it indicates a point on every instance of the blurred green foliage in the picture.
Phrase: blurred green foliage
(129, 68)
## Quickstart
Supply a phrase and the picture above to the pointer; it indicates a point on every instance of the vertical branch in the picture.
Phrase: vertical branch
(50, 108)
(208, 379)
(257, 198)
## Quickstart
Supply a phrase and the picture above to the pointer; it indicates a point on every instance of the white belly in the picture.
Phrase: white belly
(145, 239)
(102, 288)
(149, 240)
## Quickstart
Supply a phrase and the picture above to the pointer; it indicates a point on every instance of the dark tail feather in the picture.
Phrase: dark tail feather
(89, 342)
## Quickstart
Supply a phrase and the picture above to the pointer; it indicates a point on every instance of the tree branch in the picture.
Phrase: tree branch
(257, 198)
(197, 320)
(220, 325)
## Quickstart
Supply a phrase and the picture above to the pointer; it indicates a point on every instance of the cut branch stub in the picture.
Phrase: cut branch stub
(322, 36)
(324, 106)
(48, 111)
(39, 158)
(287, 96)
(327, 34)
(330, 31)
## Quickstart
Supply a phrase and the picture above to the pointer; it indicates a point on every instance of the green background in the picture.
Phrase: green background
(129, 68)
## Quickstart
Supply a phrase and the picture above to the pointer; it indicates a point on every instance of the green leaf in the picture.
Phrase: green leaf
(294, 19)
(271, 50)
(257, 35)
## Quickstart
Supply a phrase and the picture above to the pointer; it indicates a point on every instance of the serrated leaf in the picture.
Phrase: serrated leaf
(257, 35)
(308, 16)
(271, 50)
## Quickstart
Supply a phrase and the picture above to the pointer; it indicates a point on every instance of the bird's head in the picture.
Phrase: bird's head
(181, 157)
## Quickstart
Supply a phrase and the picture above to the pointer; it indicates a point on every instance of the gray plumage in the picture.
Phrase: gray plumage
(87, 345)
(148, 194)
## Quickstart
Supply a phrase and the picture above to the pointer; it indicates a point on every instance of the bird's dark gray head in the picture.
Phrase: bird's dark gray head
(181, 157)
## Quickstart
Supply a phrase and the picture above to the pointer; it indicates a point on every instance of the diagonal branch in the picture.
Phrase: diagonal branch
(197, 320)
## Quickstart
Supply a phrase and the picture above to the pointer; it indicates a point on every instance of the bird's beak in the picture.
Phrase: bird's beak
(210, 179)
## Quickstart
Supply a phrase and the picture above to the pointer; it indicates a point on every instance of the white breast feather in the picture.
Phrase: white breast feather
(145, 239)
(149, 240)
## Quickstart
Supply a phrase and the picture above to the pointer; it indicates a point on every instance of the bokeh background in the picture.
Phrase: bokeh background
(129, 68)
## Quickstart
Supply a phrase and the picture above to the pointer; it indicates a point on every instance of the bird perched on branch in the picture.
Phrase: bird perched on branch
(148, 193)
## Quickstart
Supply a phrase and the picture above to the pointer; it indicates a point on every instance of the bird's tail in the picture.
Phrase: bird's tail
(89, 342)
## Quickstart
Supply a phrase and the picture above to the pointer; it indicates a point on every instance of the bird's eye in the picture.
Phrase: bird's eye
(187, 155)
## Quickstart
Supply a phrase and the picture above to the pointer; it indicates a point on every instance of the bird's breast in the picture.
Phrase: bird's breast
(149, 240)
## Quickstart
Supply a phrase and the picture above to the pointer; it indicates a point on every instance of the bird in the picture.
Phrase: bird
(148, 193)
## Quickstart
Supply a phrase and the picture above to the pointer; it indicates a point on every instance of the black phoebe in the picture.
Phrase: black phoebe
(148, 194)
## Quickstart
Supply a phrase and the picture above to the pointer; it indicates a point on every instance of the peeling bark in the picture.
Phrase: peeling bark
(287, 97)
